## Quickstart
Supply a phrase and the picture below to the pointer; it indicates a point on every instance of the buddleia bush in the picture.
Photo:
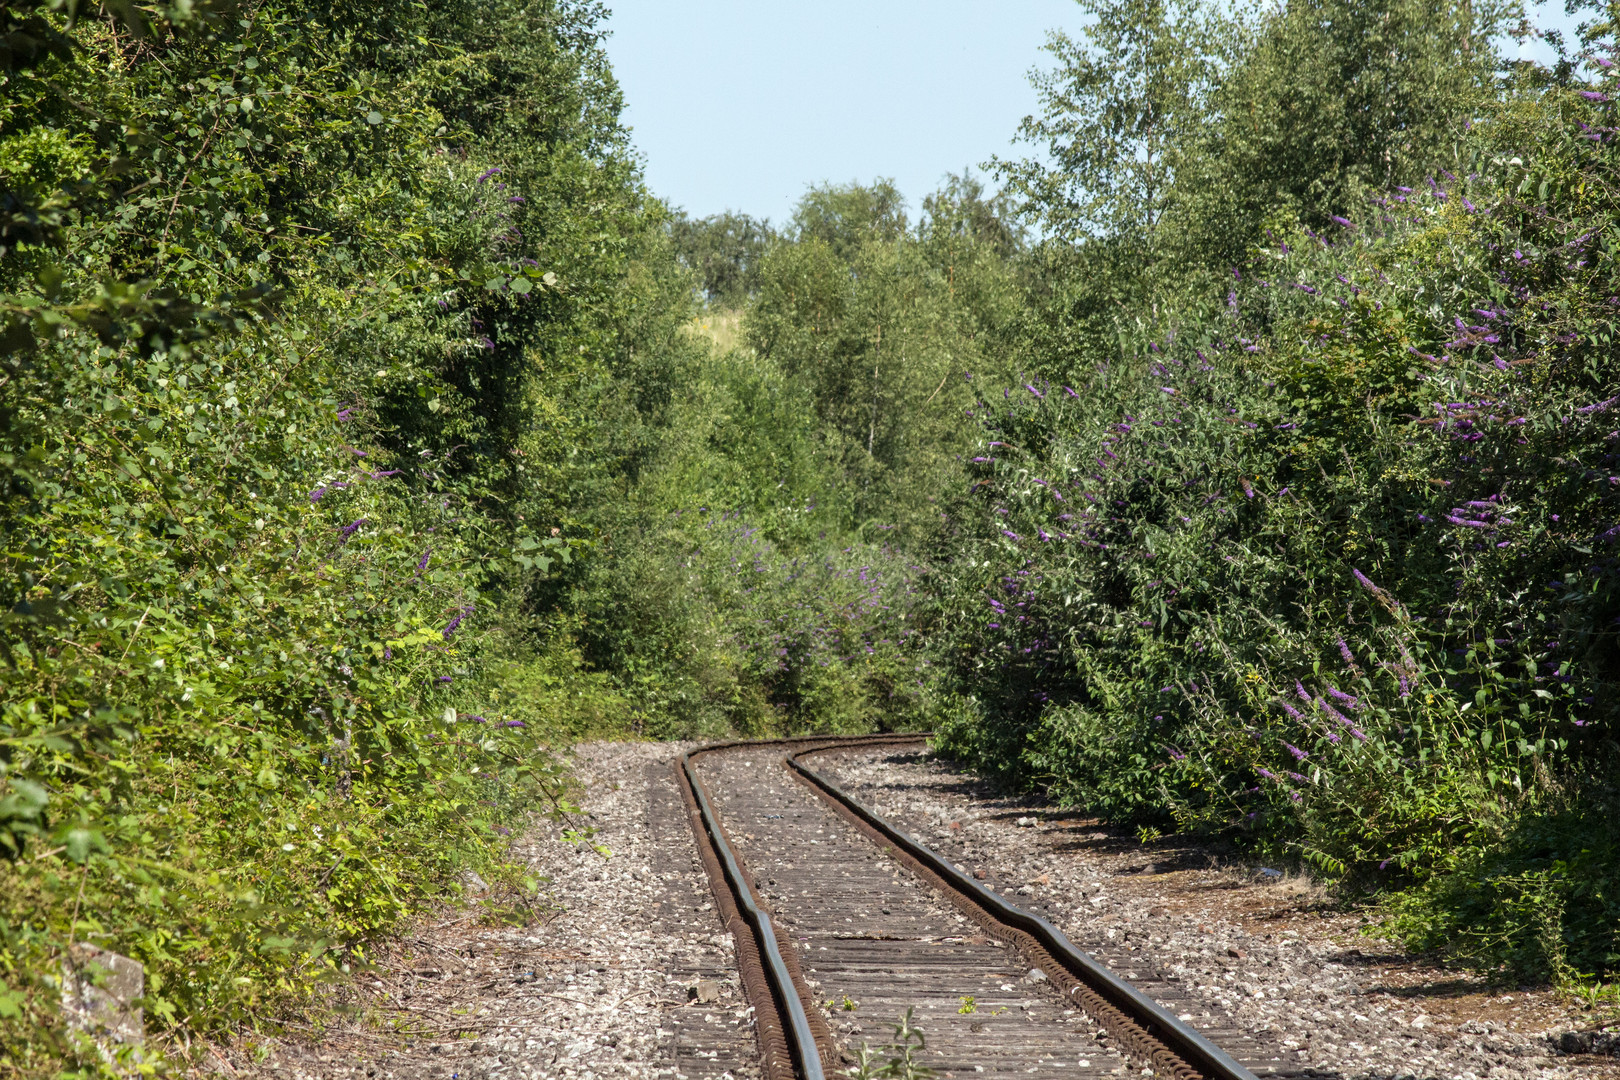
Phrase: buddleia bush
(1329, 561)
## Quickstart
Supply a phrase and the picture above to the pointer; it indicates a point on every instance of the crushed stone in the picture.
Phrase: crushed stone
(627, 972)
(1265, 951)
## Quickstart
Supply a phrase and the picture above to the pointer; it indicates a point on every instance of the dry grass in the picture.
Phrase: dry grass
(722, 328)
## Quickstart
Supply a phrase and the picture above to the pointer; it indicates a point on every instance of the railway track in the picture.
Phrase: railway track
(842, 922)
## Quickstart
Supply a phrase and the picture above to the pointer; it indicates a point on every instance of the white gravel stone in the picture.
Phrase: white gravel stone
(627, 974)
(1266, 954)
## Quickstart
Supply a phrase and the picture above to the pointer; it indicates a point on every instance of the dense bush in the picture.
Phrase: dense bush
(1329, 561)
(276, 283)
(736, 633)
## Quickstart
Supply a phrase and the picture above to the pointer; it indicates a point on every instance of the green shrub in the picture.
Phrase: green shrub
(271, 315)
(1330, 564)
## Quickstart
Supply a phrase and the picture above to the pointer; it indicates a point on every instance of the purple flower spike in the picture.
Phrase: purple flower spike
(1344, 651)
(1299, 755)
(1334, 713)
(1345, 223)
(1350, 701)
(1299, 688)
(487, 173)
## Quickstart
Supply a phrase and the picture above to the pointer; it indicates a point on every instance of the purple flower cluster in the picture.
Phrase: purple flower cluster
(455, 622)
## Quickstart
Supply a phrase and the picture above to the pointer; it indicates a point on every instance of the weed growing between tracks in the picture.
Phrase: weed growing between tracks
(897, 1060)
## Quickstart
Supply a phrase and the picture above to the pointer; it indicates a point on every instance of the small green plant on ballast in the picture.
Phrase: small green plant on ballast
(901, 1053)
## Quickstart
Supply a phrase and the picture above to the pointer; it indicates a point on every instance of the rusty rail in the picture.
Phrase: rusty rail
(794, 1041)
(1134, 1018)
(792, 1038)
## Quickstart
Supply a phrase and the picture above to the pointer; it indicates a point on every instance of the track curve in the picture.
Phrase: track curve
(842, 921)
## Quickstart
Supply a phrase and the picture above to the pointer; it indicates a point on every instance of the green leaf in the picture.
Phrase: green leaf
(81, 842)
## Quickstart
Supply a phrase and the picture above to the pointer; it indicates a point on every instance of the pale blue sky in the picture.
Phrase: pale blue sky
(741, 104)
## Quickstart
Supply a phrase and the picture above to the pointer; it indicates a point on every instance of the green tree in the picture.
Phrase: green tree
(1123, 99)
(1332, 99)
(291, 300)
(886, 329)
(724, 251)
(846, 217)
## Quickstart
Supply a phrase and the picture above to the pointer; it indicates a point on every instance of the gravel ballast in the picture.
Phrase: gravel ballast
(627, 972)
(1261, 952)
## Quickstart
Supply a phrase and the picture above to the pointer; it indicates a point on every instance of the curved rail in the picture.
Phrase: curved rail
(1183, 1041)
(806, 1056)
(793, 1040)
(788, 1036)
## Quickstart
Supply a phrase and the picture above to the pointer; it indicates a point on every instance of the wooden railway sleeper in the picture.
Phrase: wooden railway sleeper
(1143, 1027)
(794, 1041)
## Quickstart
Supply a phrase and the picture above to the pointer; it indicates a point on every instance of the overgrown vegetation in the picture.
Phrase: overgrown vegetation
(288, 289)
(1302, 527)
(367, 430)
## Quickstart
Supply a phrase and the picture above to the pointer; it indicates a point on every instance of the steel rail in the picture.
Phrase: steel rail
(806, 1055)
(1158, 1022)
(775, 971)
